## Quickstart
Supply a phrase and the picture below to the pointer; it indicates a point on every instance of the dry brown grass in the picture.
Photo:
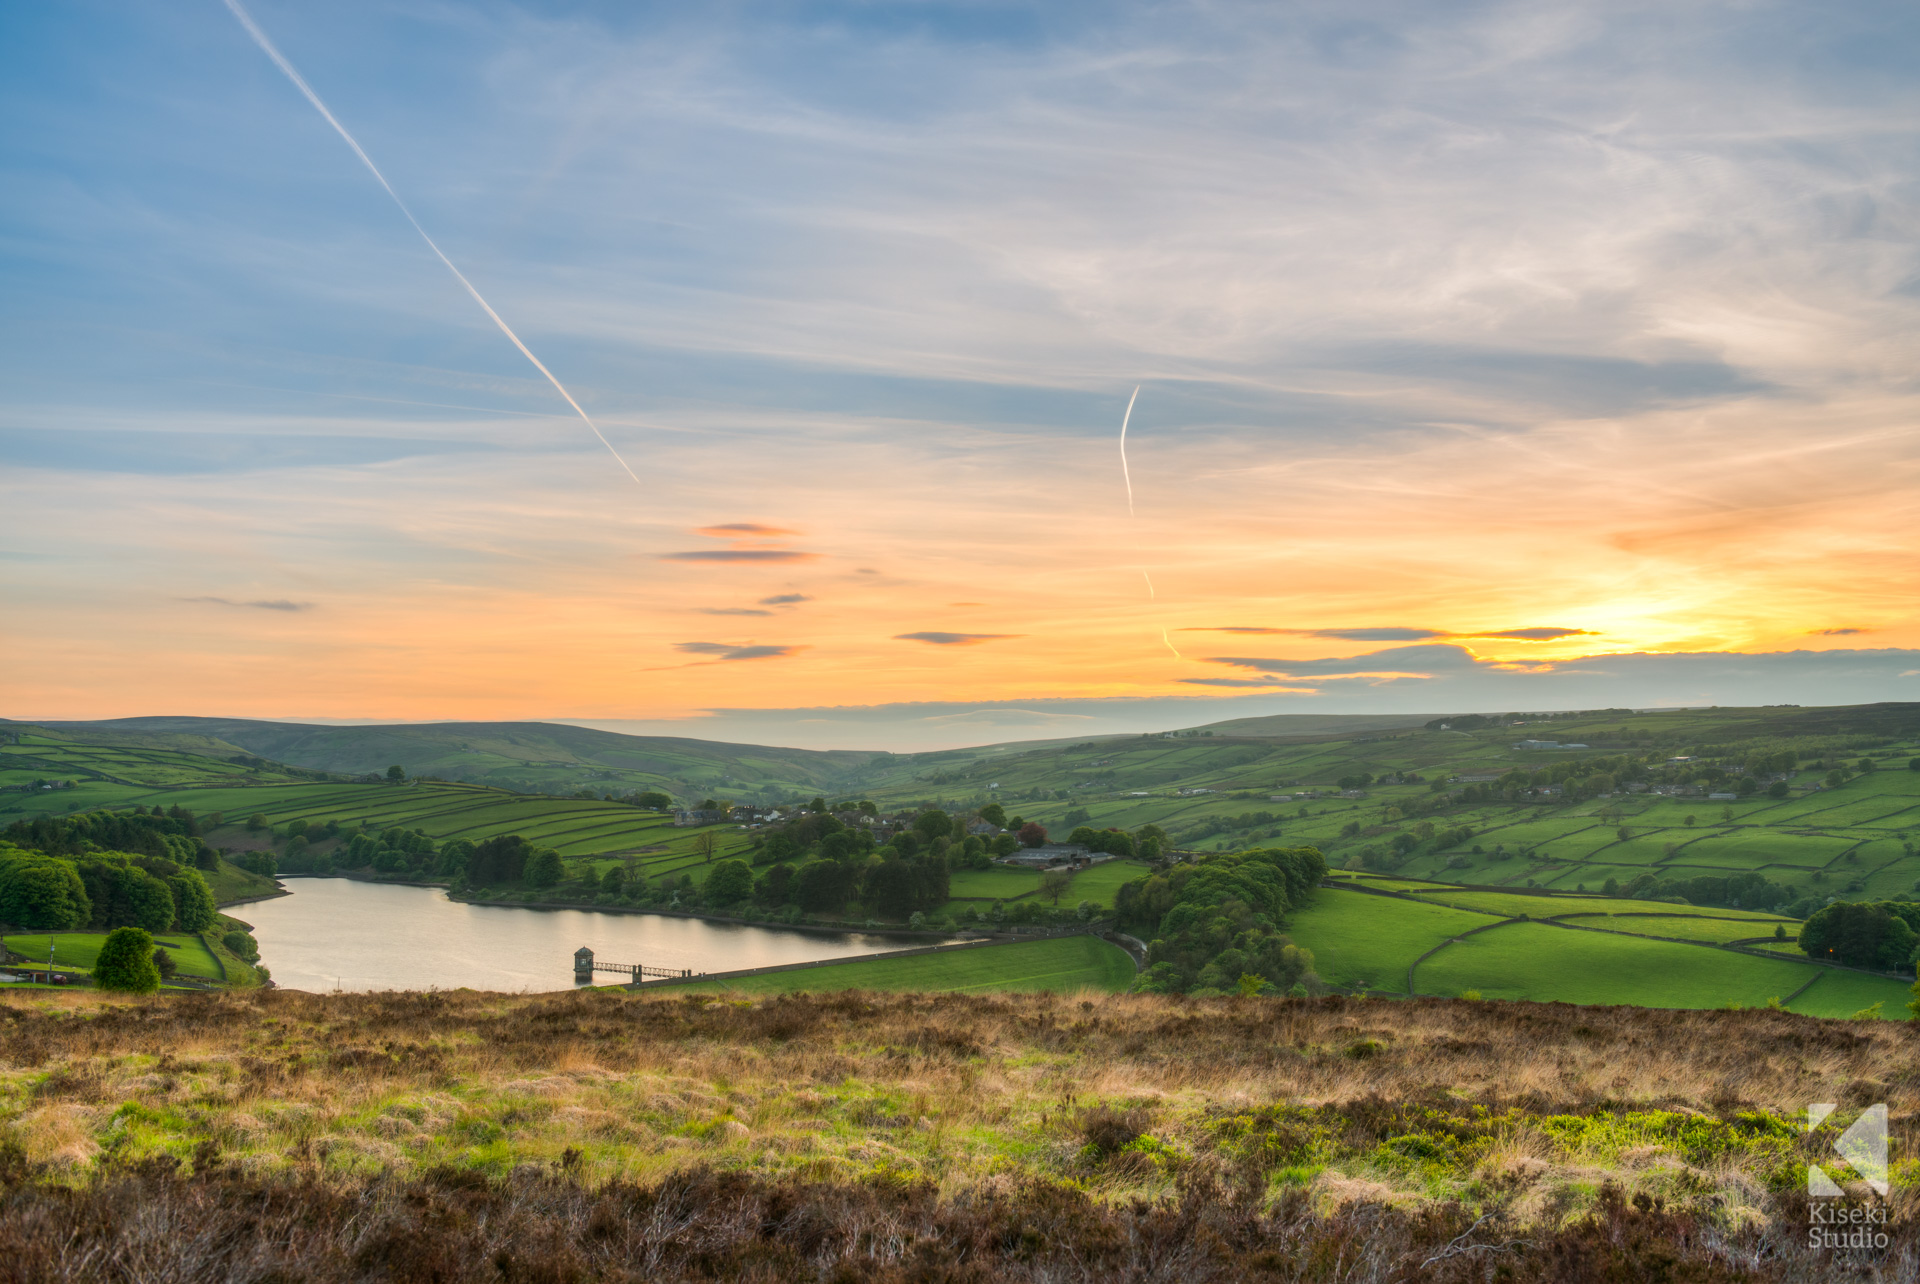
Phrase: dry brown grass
(1370, 1131)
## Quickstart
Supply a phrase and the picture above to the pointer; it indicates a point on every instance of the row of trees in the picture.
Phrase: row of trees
(101, 889)
(1215, 925)
(1876, 934)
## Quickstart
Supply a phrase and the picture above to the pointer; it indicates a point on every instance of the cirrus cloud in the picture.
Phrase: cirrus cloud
(273, 604)
(953, 639)
(740, 555)
(1401, 634)
(728, 651)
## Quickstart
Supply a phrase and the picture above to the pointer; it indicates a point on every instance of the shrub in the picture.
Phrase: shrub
(240, 945)
(126, 962)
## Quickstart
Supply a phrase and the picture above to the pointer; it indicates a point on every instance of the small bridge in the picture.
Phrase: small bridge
(584, 967)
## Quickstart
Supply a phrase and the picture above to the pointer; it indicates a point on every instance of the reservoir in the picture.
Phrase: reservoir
(335, 933)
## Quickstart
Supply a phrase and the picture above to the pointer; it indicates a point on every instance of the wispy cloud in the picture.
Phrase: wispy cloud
(1835, 633)
(269, 604)
(953, 639)
(785, 599)
(732, 610)
(740, 555)
(1394, 634)
(728, 651)
(744, 530)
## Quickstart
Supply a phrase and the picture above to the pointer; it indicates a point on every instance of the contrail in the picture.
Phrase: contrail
(1128, 478)
(1124, 474)
(279, 60)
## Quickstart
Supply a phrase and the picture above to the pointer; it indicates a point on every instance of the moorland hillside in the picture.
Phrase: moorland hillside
(622, 1136)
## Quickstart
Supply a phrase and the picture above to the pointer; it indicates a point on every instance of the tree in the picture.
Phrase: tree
(193, 905)
(1863, 935)
(1004, 845)
(396, 773)
(545, 868)
(126, 962)
(48, 896)
(1778, 789)
(256, 822)
(1054, 885)
(613, 881)
(996, 815)
(1033, 834)
(500, 859)
(729, 882)
(654, 799)
(932, 824)
(163, 964)
(706, 843)
(240, 945)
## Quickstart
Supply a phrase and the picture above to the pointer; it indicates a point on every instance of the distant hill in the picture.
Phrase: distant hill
(531, 756)
(1313, 726)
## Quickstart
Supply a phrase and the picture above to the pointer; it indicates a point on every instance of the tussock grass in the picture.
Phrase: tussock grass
(924, 1136)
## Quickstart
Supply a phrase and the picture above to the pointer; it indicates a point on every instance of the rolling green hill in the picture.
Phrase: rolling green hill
(1399, 936)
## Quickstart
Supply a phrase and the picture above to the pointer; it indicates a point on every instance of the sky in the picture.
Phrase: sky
(1489, 356)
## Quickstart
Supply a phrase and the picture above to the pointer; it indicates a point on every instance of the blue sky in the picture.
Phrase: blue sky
(1462, 318)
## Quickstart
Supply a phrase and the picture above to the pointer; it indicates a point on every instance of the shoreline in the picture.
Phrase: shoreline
(844, 929)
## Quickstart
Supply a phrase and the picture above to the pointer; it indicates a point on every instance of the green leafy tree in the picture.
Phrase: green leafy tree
(545, 868)
(1054, 885)
(256, 822)
(164, 964)
(613, 881)
(241, 945)
(728, 883)
(994, 814)
(655, 799)
(126, 962)
(46, 895)
(933, 824)
(1879, 934)
(193, 905)
(396, 773)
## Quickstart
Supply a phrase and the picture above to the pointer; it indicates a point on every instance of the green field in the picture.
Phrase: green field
(1062, 965)
(998, 883)
(78, 951)
(1553, 964)
(1100, 882)
(1368, 942)
(1685, 927)
(1840, 993)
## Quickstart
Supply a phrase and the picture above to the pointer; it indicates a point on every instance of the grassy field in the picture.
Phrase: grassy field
(604, 1135)
(998, 883)
(1368, 942)
(1840, 993)
(1064, 965)
(78, 951)
(1553, 964)
(1697, 927)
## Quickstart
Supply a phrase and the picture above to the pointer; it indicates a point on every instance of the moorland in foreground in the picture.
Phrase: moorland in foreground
(617, 1135)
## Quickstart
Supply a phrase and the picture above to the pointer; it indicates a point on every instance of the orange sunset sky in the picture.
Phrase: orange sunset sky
(1499, 357)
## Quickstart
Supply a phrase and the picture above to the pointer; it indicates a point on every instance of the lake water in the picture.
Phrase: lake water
(335, 933)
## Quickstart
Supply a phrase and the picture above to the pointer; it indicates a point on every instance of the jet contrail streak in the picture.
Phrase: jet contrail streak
(1170, 647)
(279, 60)
(1149, 579)
(1124, 474)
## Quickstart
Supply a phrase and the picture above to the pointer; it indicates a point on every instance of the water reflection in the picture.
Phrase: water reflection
(334, 933)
